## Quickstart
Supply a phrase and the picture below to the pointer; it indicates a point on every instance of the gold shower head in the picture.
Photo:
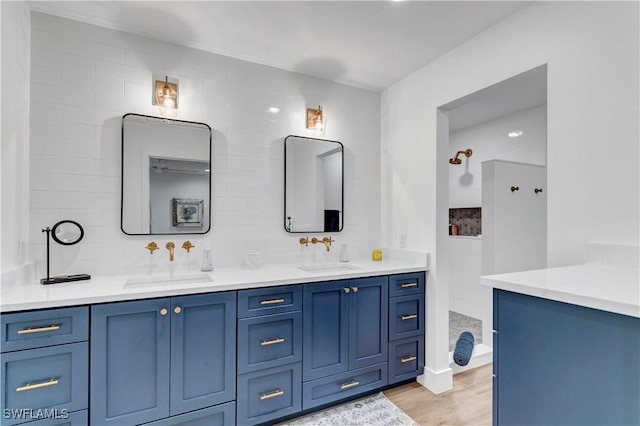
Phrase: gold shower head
(455, 160)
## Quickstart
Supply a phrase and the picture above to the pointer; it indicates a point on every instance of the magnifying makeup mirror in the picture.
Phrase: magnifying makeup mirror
(67, 233)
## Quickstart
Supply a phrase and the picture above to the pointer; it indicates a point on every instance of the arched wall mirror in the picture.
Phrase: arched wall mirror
(166, 176)
(314, 185)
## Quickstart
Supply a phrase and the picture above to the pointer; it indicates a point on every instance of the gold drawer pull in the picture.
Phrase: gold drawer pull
(29, 386)
(407, 285)
(408, 359)
(272, 342)
(408, 317)
(39, 330)
(272, 302)
(349, 385)
(273, 394)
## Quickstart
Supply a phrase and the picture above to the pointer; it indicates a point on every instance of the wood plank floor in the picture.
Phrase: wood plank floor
(468, 403)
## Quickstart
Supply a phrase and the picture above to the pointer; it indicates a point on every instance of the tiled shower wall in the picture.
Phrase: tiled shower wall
(85, 77)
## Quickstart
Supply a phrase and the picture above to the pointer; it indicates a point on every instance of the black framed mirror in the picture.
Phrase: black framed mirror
(314, 185)
(66, 233)
(166, 176)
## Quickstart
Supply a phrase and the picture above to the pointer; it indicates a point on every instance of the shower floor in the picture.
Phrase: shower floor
(459, 323)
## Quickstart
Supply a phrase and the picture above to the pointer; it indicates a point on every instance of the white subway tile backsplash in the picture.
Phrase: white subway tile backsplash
(122, 72)
(93, 49)
(62, 26)
(76, 146)
(45, 40)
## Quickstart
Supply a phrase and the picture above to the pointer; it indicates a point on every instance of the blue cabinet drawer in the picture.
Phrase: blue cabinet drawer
(344, 385)
(219, 415)
(406, 359)
(406, 316)
(53, 377)
(269, 394)
(269, 341)
(28, 330)
(273, 300)
(403, 284)
(56, 417)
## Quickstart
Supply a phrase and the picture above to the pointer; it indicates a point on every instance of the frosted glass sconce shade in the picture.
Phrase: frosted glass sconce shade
(316, 119)
(166, 97)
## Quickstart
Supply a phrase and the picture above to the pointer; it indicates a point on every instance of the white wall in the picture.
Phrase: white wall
(14, 177)
(591, 49)
(489, 141)
(85, 77)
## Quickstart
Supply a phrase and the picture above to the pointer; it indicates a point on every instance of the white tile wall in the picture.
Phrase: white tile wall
(86, 77)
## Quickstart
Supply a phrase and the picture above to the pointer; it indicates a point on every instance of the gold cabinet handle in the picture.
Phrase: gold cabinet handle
(29, 386)
(164, 311)
(39, 330)
(355, 289)
(349, 385)
(177, 309)
(272, 342)
(408, 317)
(407, 285)
(408, 359)
(273, 394)
(271, 302)
(346, 289)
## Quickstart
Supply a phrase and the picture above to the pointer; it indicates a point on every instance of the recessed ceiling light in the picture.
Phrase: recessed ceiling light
(515, 133)
(274, 110)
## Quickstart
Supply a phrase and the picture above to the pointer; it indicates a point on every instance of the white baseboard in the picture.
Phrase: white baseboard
(436, 381)
(482, 355)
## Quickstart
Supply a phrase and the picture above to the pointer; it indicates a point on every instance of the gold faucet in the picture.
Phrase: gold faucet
(151, 247)
(326, 241)
(187, 245)
(170, 246)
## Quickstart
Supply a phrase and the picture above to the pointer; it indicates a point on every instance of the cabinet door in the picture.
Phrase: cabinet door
(368, 321)
(130, 362)
(203, 351)
(325, 325)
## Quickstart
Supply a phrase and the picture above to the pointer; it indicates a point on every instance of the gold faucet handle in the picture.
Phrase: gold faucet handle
(170, 245)
(314, 240)
(304, 241)
(151, 247)
(187, 245)
(328, 240)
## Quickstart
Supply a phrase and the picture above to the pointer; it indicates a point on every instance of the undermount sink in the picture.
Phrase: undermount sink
(329, 267)
(170, 280)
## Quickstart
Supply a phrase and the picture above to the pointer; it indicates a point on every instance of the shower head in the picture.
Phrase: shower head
(455, 160)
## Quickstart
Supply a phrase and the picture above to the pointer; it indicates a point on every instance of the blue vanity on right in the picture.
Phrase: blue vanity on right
(566, 347)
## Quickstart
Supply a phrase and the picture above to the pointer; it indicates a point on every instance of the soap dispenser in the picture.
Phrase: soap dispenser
(207, 260)
(344, 252)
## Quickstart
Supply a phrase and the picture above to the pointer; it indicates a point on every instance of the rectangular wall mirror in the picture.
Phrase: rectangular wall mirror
(166, 176)
(314, 185)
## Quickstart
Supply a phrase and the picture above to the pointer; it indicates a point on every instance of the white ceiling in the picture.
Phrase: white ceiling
(368, 44)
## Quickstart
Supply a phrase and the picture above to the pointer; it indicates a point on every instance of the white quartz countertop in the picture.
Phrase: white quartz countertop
(18, 295)
(608, 288)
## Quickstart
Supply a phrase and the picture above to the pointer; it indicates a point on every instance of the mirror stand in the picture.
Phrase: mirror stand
(66, 232)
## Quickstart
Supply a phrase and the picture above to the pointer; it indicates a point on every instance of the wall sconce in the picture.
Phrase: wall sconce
(166, 97)
(316, 119)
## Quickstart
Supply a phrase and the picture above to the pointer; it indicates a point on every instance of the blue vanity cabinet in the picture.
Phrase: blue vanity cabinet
(44, 376)
(152, 359)
(345, 333)
(558, 364)
(406, 326)
(269, 353)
